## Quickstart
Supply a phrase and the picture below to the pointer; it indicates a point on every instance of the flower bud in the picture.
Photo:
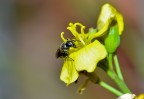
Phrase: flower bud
(112, 39)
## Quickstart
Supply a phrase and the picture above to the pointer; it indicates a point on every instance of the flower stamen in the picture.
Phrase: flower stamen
(62, 37)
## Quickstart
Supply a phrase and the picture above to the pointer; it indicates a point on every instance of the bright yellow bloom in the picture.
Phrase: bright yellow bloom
(85, 56)
(89, 51)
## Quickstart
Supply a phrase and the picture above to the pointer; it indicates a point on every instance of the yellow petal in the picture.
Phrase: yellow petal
(88, 57)
(120, 21)
(69, 73)
(106, 13)
(109, 14)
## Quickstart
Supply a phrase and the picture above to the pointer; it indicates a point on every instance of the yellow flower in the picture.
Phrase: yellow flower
(89, 51)
(84, 57)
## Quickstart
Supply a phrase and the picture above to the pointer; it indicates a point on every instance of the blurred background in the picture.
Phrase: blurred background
(30, 35)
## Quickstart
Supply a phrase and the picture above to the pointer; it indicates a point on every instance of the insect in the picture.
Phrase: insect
(62, 52)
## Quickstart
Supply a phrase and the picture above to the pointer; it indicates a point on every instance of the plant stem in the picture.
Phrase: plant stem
(93, 77)
(110, 88)
(121, 84)
(111, 73)
(118, 70)
(110, 64)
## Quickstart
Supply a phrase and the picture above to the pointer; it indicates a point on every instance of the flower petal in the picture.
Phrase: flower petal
(69, 73)
(88, 57)
(127, 96)
(109, 14)
(120, 22)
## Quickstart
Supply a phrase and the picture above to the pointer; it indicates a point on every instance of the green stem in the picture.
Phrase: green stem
(121, 84)
(93, 77)
(110, 88)
(118, 70)
(111, 73)
(110, 64)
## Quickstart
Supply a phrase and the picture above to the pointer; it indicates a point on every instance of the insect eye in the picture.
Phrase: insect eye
(69, 44)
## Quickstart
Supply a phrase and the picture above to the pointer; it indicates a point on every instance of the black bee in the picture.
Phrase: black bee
(62, 52)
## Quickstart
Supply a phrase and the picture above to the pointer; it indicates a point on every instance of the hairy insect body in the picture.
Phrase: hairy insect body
(62, 52)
